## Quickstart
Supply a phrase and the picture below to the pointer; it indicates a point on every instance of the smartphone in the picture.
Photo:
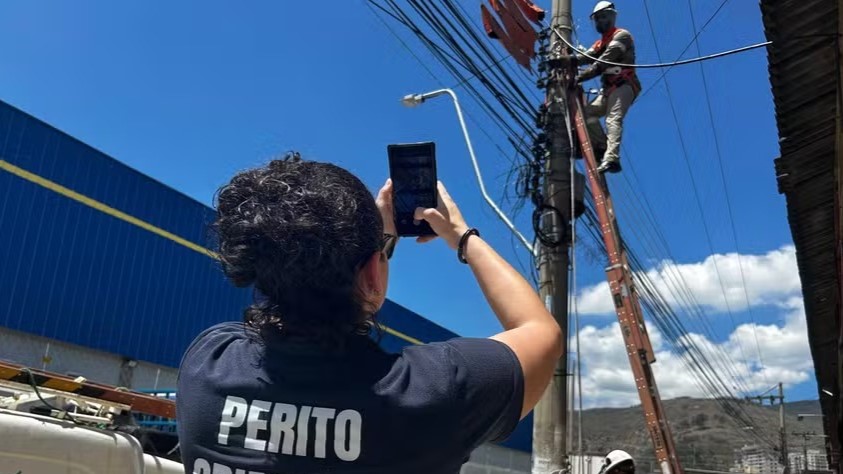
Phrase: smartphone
(412, 168)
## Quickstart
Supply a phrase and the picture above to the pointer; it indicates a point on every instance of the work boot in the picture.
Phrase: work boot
(610, 166)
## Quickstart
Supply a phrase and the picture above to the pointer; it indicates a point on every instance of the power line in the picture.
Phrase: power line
(693, 183)
(450, 62)
(682, 345)
(696, 193)
(672, 328)
(424, 65)
(457, 46)
(687, 46)
(682, 293)
(461, 49)
(675, 283)
(424, 9)
(679, 337)
(478, 38)
(726, 195)
(525, 79)
(475, 42)
(681, 289)
(658, 306)
(432, 15)
(670, 64)
(473, 76)
(398, 37)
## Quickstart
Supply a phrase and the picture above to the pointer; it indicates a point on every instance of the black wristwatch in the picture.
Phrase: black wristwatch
(463, 239)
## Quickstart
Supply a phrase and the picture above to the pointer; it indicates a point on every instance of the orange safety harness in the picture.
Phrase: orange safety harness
(627, 74)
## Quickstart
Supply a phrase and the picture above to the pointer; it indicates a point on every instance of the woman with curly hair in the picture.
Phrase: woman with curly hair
(301, 387)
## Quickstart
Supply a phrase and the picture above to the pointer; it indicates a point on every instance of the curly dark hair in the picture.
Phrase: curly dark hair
(298, 231)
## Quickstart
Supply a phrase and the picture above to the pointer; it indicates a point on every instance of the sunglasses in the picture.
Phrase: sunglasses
(388, 245)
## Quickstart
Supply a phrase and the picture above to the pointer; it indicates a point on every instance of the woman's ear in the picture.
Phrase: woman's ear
(371, 278)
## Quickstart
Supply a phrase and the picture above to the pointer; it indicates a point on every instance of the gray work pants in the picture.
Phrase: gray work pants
(614, 108)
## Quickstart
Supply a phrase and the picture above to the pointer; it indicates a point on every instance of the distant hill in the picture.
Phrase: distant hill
(706, 435)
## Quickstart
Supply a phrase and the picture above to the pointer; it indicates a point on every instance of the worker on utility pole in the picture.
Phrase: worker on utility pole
(620, 85)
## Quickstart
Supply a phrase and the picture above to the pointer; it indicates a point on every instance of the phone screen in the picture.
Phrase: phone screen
(413, 173)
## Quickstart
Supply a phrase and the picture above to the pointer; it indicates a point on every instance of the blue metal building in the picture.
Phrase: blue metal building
(96, 254)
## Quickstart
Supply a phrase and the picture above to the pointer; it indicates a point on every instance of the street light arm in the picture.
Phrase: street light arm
(477, 173)
(412, 100)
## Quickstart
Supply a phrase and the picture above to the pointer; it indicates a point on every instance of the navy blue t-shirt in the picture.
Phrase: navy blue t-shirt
(246, 405)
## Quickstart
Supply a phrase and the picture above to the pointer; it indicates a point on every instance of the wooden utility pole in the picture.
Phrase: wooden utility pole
(550, 416)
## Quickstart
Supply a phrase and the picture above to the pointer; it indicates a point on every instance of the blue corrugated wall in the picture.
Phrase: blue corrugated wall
(95, 253)
(72, 272)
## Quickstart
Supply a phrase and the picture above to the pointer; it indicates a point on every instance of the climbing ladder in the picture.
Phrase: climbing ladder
(637, 341)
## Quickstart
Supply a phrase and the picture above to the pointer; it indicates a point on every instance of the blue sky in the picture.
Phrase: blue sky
(189, 94)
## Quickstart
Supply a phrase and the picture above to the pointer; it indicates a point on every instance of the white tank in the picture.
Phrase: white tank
(32, 444)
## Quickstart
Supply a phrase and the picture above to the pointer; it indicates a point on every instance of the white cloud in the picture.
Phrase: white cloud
(608, 381)
(771, 278)
(751, 358)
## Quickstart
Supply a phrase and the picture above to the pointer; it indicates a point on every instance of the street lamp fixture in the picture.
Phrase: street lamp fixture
(413, 100)
(802, 416)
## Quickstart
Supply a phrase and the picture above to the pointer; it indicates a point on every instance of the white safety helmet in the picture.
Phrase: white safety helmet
(603, 6)
(617, 456)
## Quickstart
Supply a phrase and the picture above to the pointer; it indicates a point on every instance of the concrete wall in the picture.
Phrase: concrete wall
(493, 459)
(97, 366)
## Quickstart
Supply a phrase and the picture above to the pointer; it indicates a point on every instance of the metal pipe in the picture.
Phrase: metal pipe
(413, 100)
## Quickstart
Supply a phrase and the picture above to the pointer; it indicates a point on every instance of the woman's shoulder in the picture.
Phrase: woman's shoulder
(457, 351)
(218, 337)
(441, 370)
